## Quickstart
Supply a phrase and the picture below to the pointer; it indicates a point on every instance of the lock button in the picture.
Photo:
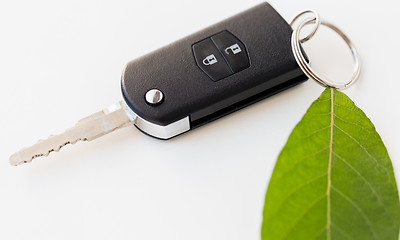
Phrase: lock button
(221, 55)
(210, 60)
(233, 50)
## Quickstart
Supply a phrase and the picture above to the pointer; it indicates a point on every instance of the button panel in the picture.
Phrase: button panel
(221, 55)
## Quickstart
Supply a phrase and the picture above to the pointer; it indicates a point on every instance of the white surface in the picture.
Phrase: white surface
(61, 61)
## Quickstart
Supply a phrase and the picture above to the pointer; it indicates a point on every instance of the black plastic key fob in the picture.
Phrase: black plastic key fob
(211, 73)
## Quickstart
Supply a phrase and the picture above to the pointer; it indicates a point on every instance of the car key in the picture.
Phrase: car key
(193, 81)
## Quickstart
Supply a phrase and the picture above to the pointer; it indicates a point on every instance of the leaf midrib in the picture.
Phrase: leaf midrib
(329, 176)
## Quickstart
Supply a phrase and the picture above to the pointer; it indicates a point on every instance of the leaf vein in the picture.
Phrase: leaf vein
(319, 114)
(348, 108)
(353, 123)
(357, 207)
(362, 177)
(300, 161)
(296, 190)
(341, 231)
(294, 224)
(359, 144)
(323, 100)
(309, 135)
(319, 232)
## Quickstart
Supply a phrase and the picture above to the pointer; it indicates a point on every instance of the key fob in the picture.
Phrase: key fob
(211, 73)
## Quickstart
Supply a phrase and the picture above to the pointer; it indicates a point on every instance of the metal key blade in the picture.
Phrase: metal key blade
(87, 129)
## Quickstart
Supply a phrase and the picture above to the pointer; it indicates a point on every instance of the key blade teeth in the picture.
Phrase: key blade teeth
(26, 155)
(87, 129)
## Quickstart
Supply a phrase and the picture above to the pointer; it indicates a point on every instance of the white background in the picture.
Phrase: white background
(62, 60)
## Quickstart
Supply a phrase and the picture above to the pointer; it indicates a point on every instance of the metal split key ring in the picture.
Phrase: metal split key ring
(305, 66)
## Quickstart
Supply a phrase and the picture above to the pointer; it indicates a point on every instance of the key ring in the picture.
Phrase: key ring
(302, 62)
(317, 24)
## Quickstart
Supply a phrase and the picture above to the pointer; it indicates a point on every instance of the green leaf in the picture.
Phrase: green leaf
(333, 179)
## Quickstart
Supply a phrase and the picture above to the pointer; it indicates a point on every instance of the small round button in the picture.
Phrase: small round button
(154, 96)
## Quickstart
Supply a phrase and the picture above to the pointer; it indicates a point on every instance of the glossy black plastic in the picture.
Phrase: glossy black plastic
(188, 91)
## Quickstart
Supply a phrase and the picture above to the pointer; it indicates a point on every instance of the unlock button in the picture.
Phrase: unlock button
(233, 49)
(210, 60)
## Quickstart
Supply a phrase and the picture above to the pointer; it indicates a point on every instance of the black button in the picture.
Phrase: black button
(210, 60)
(233, 49)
